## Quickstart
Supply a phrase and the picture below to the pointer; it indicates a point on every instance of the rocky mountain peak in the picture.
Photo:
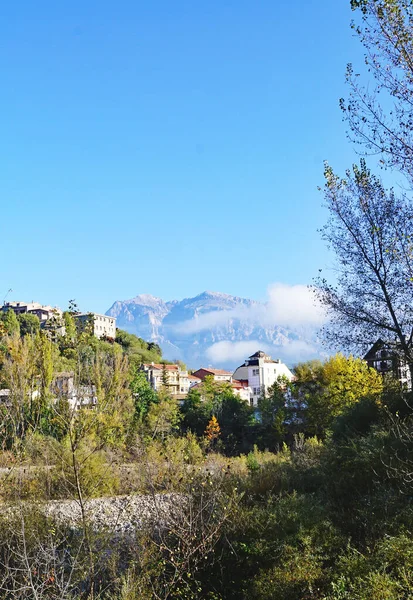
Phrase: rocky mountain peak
(146, 300)
(210, 328)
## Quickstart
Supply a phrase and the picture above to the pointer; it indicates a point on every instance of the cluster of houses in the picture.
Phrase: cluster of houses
(259, 372)
(51, 316)
(248, 381)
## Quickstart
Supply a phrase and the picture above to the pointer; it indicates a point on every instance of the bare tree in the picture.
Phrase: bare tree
(380, 116)
(370, 231)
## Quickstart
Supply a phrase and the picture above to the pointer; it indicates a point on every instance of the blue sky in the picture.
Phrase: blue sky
(167, 147)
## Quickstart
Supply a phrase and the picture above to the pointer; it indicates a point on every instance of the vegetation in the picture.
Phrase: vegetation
(308, 496)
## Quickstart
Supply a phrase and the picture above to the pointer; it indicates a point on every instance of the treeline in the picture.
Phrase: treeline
(319, 394)
(137, 349)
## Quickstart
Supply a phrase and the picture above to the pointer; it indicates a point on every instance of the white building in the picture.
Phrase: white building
(101, 325)
(62, 387)
(78, 396)
(242, 389)
(261, 372)
(193, 380)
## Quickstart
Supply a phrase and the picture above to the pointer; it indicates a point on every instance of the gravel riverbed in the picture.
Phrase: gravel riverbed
(119, 514)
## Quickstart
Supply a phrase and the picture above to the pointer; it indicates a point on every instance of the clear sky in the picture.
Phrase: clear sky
(167, 147)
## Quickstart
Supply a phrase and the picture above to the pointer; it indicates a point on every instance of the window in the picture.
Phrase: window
(255, 371)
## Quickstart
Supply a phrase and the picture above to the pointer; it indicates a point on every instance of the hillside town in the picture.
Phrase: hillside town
(249, 381)
(258, 373)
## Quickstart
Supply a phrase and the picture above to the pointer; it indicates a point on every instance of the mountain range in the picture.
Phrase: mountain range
(213, 329)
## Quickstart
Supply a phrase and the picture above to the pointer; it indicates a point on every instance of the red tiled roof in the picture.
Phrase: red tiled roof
(239, 383)
(215, 371)
(162, 366)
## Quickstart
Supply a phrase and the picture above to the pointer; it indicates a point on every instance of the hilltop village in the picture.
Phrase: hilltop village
(258, 373)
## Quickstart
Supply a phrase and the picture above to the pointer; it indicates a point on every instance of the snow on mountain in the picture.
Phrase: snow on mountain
(212, 329)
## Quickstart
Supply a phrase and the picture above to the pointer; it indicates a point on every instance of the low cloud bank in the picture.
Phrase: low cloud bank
(290, 306)
(296, 351)
(292, 352)
(223, 352)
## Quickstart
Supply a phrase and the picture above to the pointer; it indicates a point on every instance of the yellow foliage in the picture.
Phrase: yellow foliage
(213, 430)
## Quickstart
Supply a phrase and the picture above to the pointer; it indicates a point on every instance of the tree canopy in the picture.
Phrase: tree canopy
(380, 116)
(370, 231)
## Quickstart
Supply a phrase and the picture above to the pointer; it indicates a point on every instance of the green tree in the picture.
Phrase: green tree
(29, 324)
(44, 352)
(143, 394)
(70, 337)
(10, 322)
(163, 417)
(272, 411)
(235, 416)
(153, 347)
(343, 382)
(195, 412)
(73, 307)
(236, 419)
(165, 377)
(20, 376)
(137, 349)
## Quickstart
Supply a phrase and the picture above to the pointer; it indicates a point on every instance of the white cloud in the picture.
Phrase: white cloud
(291, 352)
(222, 352)
(297, 351)
(293, 306)
(215, 318)
(290, 306)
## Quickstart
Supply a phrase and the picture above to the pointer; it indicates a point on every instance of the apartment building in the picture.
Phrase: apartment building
(177, 381)
(261, 372)
(100, 325)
